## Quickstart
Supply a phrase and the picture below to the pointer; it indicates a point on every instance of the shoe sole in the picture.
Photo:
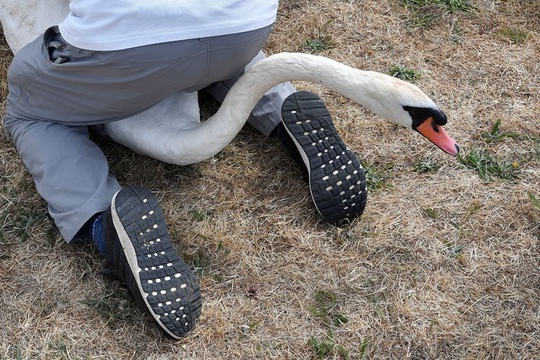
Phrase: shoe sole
(157, 277)
(337, 181)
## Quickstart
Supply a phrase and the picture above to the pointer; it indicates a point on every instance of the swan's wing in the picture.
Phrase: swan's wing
(24, 20)
(145, 133)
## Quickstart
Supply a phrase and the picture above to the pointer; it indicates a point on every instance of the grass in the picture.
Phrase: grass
(200, 215)
(454, 250)
(442, 264)
(114, 306)
(320, 39)
(404, 73)
(376, 178)
(426, 13)
(318, 45)
(516, 36)
(535, 201)
(431, 213)
(21, 224)
(325, 308)
(496, 134)
(426, 165)
(449, 5)
(488, 166)
(198, 262)
(327, 347)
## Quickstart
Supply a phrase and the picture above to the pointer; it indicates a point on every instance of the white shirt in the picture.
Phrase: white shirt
(120, 24)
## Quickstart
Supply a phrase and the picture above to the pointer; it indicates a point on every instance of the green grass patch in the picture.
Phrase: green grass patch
(427, 165)
(318, 44)
(115, 306)
(320, 39)
(487, 166)
(363, 348)
(327, 347)
(496, 134)
(534, 199)
(402, 72)
(325, 302)
(515, 36)
(200, 215)
(325, 308)
(425, 13)
(454, 250)
(422, 20)
(18, 354)
(376, 178)
(198, 262)
(449, 5)
(21, 224)
(431, 213)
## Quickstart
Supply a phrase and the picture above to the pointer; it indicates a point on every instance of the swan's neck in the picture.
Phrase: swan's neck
(377, 92)
(352, 83)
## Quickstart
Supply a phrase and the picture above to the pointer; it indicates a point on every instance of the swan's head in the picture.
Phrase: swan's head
(407, 105)
(429, 122)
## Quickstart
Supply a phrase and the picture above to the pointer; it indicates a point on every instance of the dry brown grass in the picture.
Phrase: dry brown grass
(443, 265)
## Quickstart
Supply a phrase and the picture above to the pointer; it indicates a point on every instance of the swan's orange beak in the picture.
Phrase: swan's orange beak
(436, 134)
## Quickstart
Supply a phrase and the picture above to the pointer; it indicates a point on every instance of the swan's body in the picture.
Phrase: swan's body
(171, 131)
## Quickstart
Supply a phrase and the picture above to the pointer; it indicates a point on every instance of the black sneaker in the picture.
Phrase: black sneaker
(140, 253)
(336, 178)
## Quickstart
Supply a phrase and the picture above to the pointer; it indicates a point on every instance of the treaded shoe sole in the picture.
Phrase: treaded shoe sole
(156, 276)
(337, 180)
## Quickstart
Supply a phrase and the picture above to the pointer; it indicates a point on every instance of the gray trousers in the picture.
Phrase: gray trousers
(50, 106)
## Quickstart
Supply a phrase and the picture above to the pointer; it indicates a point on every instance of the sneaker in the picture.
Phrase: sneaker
(139, 252)
(336, 178)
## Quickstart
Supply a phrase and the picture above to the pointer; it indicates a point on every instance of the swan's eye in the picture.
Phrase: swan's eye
(421, 114)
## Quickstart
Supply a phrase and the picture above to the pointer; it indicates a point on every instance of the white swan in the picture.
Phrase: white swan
(388, 97)
(172, 132)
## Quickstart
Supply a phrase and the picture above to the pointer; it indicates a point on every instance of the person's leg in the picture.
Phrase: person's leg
(52, 83)
(72, 175)
(69, 170)
(56, 91)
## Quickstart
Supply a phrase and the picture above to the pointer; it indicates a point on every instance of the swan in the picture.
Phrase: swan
(386, 96)
(171, 131)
